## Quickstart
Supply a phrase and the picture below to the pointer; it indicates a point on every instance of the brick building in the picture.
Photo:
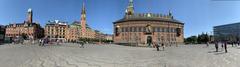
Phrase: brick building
(33, 30)
(143, 29)
(56, 30)
(73, 32)
(80, 29)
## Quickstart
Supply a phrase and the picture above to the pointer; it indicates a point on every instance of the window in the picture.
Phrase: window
(131, 29)
(163, 30)
(123, 30)
(140, 29)
(158, 29)
(153, 29)
(144, 29)
(135, 29)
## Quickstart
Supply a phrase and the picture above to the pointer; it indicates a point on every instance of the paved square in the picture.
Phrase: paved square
(70, 55)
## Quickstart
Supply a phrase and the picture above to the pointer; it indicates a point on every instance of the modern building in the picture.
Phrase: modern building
(56, 30)
(33, 30)
(227, 32)
(142, 29)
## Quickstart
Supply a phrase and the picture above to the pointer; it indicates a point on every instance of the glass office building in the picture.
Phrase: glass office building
(228, 32)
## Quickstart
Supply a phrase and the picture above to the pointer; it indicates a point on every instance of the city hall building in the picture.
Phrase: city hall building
(33, 30)
(143, 29)
(227, 32)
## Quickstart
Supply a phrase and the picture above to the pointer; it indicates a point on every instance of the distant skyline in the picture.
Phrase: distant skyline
(198, 15)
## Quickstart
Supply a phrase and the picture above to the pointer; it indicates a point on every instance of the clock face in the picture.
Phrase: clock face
(84, 15)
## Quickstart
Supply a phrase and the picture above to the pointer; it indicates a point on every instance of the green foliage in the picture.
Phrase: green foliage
(191, 40)
(92, 40)
(200, 39)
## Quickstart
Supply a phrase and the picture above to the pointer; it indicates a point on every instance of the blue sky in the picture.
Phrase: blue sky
(198, 15)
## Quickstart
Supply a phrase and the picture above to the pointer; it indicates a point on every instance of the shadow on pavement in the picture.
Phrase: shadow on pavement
(219, 53)
(211, 51)
(216, 53)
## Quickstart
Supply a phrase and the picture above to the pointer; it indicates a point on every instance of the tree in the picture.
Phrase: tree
(191, 40)
(200, 39)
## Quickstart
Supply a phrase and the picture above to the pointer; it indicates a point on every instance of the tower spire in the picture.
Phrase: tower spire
(83, 8)
(130, 8)
(29, 17)
(169, 13)
(83, 20)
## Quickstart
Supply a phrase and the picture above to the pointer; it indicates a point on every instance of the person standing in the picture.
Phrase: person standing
(57, 41)
(238, 43)
(216, 46)
(222, 45)
(207, 44)
(163, 46)
(40, 42)
(225, 47)
(157, 46)
(44, 40)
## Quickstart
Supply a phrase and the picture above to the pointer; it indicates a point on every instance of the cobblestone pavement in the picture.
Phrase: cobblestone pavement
(70, 55)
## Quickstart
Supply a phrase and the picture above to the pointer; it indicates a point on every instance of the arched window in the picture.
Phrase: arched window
(179, 31)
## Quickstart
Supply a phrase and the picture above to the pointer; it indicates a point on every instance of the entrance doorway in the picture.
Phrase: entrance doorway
(149, 40)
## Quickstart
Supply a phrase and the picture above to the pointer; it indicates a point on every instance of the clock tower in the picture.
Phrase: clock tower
(30, 14)
(83, 20)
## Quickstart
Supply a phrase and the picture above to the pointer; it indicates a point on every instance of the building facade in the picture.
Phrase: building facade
(143, 29)
(56, 30)
(228, 32)
(73, 32)
(33, 30)
(2, 34)
(108, 37)
(80, 29)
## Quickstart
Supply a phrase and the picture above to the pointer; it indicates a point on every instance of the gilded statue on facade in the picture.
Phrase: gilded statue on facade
(148, 29)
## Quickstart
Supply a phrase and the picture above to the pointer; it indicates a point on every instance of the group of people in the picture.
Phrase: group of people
(43, 41)
(158, 45)
(81, 43)
(224, 46)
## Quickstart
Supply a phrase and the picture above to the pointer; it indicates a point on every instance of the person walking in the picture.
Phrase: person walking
(216, 46)
(207, 44)
(222, 45)
(40, 42)
(57, 41)
(157, 46)
(82, 44)
(238, 43)
(44, 41)
(225, 47)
